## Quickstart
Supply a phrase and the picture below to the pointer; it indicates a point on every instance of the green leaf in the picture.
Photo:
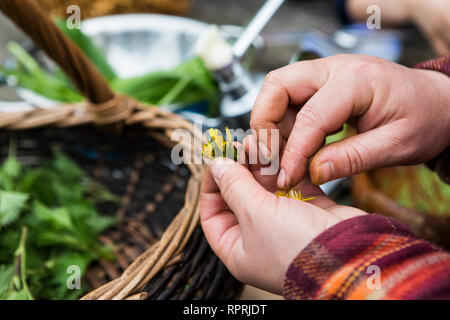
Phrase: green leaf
(188, 83)
(31, 76)
(100, 223)
(63, 224)
(22, 294)
(89, 48)
(52, 238)
(6, 273)
(65, 166)
(57, 218)
(60, 275)
(11, 204)
(12, 168)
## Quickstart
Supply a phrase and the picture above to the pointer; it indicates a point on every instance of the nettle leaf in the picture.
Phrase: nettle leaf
(67, 168)
(22, 294)
(52, 239)
(9, 240)
(58, 218)
(6, 272)
(11, 204)
(100, 223)
(56, 202)
(9, 172)
(37, 182)
(12, 167)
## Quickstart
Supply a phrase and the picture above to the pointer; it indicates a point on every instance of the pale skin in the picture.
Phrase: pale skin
(402, 116)
(432, 17)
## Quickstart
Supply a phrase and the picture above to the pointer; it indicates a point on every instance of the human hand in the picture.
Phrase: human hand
(433, 18)
(255, 233)
(402, 116)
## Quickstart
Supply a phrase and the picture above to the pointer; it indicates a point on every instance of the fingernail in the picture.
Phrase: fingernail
(281, 182)
(218, 168)
(264, 151)
(327, 172)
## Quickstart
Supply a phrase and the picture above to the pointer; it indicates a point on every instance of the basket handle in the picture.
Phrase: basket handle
(36, 23)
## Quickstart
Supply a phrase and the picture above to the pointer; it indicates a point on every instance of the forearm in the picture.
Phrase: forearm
(392, 12)
(342, 263)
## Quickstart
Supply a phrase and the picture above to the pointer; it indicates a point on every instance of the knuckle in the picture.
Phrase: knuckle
(256, 123)
(359, 157)
(373, 69)
(273, 78)
(404, 150)
(308, 116)
(292, 150)
(297, 158)
(230, 183)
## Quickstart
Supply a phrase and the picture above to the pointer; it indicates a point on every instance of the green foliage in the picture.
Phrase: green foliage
(53, 208)
(11, 203)
(188, 83)
(30, 75)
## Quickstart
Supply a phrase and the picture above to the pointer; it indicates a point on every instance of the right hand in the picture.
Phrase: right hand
(402, 116)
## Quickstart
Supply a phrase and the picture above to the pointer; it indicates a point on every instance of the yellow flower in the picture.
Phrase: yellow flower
(293, 194)
(217, 146)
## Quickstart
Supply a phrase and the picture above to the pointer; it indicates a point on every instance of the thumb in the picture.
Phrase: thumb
(369, 150)
(237, 185)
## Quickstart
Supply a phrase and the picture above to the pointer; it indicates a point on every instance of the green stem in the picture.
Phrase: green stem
(21, 252)
(12, 147)
(170, 96)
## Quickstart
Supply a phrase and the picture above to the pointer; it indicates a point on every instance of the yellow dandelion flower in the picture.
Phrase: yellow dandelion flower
(293, 194)
(217, 146)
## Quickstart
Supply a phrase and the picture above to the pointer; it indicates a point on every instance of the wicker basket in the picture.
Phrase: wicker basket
(431, 226)
(90, 9)
(162, 252)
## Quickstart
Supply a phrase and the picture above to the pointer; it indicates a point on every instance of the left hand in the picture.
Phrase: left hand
(255, 233)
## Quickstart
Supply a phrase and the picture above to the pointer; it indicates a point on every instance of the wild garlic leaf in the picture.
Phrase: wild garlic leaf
(11, 204)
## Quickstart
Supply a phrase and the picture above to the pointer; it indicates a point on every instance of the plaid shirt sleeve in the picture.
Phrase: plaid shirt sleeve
(369, 257)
